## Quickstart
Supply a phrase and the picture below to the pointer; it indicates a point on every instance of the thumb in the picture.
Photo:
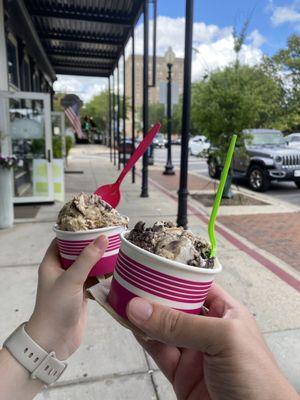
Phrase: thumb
(79, 270)
(177, 328)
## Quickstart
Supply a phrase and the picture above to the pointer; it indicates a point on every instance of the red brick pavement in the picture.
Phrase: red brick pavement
(279, 234)
(172, 182)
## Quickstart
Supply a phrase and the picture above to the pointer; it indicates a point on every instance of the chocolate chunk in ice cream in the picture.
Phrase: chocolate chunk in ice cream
(166, 240)
(86, 212)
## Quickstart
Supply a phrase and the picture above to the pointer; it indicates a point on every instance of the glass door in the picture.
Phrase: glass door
(29, 129)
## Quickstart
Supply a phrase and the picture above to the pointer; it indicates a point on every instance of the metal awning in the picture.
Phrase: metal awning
(84, 37)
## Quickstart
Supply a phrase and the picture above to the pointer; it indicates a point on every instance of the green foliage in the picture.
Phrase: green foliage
(56, 101)
(157, 114)
(57, 146)
(285, 67)
(38, 147)
(98, 108)
(234, 99)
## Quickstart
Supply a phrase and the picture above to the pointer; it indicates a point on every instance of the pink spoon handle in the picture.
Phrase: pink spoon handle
(140, 150)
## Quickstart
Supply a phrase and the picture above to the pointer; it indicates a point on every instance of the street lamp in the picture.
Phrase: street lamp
(169, 58)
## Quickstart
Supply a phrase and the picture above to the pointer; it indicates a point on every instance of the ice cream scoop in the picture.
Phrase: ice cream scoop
(85, 212)
(174, 243)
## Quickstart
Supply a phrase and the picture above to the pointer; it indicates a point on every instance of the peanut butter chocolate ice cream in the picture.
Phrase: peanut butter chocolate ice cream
(166, 240)
(86, 212)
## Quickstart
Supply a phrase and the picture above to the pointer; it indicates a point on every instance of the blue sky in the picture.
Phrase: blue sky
(234, 12)
(272, 21)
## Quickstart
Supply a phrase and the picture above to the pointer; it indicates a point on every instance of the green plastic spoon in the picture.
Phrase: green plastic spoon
(218, 198)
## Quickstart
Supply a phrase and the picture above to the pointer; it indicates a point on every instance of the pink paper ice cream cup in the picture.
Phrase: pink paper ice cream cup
(139, 273)
(70, 245)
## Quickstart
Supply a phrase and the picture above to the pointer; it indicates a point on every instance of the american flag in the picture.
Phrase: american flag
(72, 113)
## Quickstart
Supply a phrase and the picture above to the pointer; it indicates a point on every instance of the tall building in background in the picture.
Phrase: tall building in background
(161, 77)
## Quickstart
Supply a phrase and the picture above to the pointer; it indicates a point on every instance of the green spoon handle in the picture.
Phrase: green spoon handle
(218, 198)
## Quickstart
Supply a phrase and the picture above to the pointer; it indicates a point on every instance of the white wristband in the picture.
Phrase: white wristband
(41, 364)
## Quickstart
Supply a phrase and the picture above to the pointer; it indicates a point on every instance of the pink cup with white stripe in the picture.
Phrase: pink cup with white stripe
(71, 244)
(139, 273)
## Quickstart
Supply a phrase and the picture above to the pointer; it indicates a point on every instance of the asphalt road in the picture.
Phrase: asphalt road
(286, 191)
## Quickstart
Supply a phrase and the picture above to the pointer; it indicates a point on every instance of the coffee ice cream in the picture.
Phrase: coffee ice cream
(86, 212)
(167, 240)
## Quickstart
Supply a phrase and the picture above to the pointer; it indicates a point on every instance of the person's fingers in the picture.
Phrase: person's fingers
(165, 356)
(178, 328)
(79, 270)
(218, 301)
(51, 261)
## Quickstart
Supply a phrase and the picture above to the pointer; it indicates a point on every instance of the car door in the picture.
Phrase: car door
(241, 157)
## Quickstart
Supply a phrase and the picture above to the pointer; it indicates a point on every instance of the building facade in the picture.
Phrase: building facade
(161, 77)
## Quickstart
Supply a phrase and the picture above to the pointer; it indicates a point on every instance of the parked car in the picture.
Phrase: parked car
(293, 140)
(128, 148)
(261, 156)
(198, 144)
(159, 140)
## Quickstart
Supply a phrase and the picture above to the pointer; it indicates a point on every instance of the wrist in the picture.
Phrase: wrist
(47, 338)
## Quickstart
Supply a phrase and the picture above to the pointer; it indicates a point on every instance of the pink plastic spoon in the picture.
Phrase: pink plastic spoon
(111, 193)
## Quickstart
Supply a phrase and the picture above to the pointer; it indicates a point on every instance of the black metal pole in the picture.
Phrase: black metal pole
(169, 169)
(144, 192)
(124, 109)
(114, 118)
(118, 117)
(133, 100)
(186, 111)
(109, 143)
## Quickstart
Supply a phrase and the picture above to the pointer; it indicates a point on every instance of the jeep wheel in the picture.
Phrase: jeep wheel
(258, 179)
(297, 183)
(213, 169)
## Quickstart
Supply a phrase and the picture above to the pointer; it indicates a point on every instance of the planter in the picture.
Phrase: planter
(6, 198)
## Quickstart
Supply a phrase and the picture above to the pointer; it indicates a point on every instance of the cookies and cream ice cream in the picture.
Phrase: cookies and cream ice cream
(86, 212)
(166, 240)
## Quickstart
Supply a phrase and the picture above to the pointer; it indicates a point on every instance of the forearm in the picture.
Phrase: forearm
(15, 382)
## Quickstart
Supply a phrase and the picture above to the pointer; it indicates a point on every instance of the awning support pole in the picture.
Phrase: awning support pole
(124, 109)
(186, 111)
(133, 99)
(114, 117)
(109, 142)
(144, 192)
(118, 116)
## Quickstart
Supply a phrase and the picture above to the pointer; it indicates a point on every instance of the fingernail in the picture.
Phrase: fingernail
(101, 242)
(139, 309)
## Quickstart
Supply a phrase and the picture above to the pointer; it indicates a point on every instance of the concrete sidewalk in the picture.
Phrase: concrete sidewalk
(110, 365)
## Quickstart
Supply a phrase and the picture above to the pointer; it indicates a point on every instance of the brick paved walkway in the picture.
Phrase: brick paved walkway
(172, 182)
(279, 234)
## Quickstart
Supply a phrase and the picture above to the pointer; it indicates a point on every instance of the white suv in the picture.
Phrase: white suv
(198, 144)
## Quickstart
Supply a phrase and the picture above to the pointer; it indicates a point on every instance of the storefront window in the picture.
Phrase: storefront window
(13, 75)
(26, 76)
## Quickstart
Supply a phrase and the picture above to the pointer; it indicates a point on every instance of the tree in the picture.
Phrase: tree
(234, 99)
(156, 114)
(98, 108)
(285, 67)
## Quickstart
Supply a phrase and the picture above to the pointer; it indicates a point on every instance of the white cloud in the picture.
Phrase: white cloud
(257, 39)
(84, 86)
(213, 49)
(285, 14)
(213, 45)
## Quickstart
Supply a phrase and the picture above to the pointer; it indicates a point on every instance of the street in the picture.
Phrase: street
(286, 191)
